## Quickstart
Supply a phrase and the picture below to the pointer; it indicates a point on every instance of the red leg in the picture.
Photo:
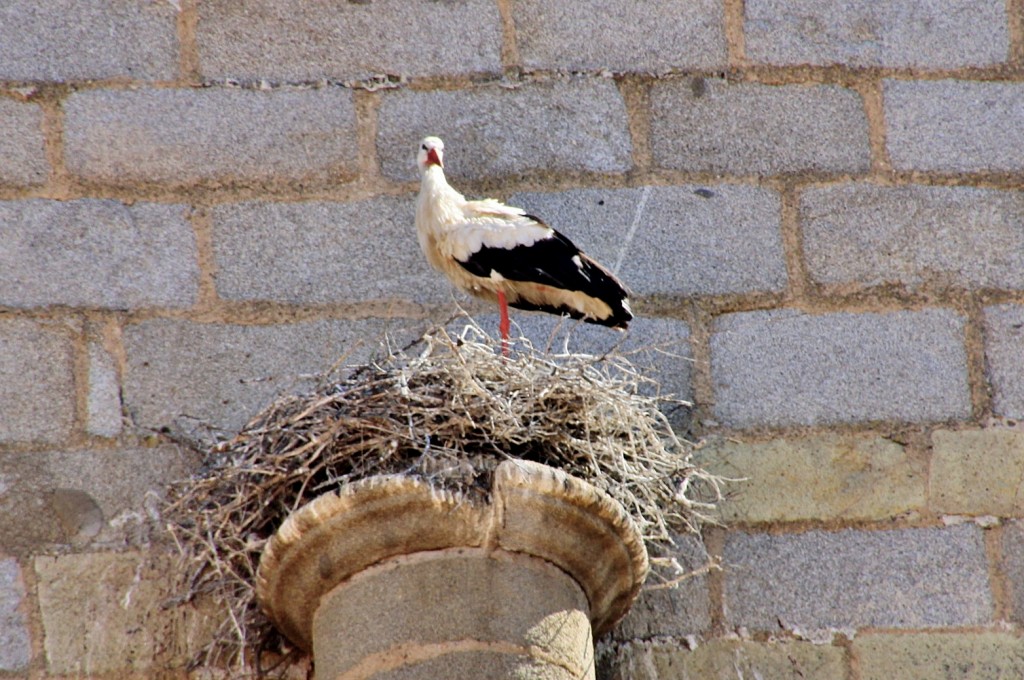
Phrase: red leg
(503, 324)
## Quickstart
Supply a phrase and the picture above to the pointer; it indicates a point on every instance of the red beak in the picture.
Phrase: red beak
(432, 158)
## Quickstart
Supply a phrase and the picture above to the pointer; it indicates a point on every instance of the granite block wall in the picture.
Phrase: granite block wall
(819, 207)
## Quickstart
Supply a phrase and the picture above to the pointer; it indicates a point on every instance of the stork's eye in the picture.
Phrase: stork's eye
(424, 147)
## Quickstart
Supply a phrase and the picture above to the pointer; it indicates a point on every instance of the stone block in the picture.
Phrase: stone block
(103, 418)
(555, 126)
(15, 640)
(710, 125)
(192, 376)
(947, 237)
(977, 472)
(1011, 565)
(97, 253)
(727, 659)
(954, 126)
(64, 40)
(604, 34)
(947, 655)
(37, 386)
(478, 664)
(897, 34)
(21, 139)
(80, 497)
(783, 367)
(820, 581)
(824, 477)
(212, 135)
(296, 41)
(103, 613)
(1004, 347)
(676, 240)
(320, 253)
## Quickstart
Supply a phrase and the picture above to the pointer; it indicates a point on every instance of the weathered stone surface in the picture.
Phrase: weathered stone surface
(556, 126)
(63, 40)
(297, 41)
(21, 139)
(899, 33)
(954, 125)
(97, 253)
(78, 514)
(15, 642)
(824, 477)
(604, 34)
(977, 472)
(191, 376)
(677, 240)
(37, 394)
(710, 125)
(787, 368)
(102, 613)
(450, 599)
(115, 250)
(103, 418)
(962, 237)
(1004, 347)
(319, 252)
(84, 496)
(726, 659)
(479, 664)
(820, 581)
(951, 656)
(212, 135)
(1011, 564)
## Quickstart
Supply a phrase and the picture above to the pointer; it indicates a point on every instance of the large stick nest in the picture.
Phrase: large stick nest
(447, 410)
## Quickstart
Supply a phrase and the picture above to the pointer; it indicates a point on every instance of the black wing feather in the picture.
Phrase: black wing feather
(549, 261)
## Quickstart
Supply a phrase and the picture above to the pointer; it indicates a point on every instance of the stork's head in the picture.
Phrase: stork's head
(431, 153)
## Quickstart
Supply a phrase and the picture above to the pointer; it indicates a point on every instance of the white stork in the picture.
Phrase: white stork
(497, 252)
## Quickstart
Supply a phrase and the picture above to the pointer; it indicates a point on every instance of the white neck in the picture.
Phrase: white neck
(434, 180)
(438, 203)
